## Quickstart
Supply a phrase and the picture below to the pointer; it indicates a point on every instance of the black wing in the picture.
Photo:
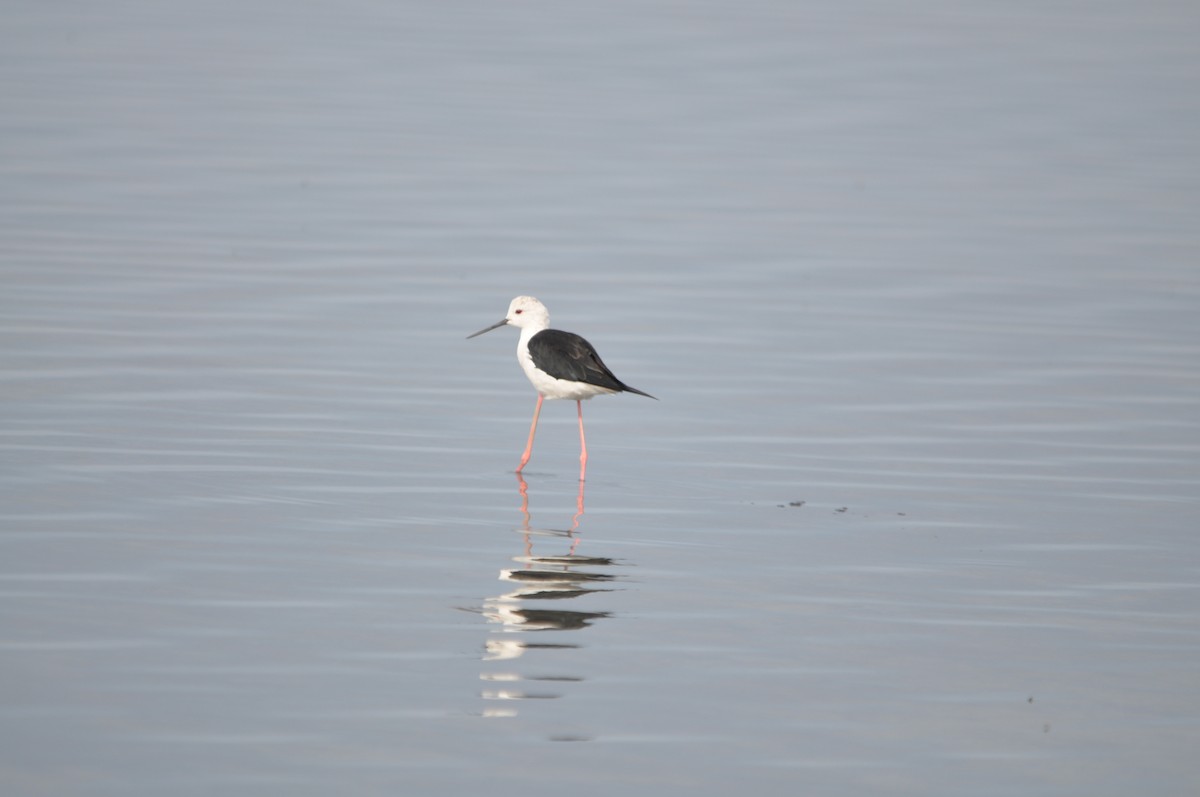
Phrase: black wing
(565, 355)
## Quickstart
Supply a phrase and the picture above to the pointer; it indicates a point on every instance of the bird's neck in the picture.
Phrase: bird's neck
(527, 333)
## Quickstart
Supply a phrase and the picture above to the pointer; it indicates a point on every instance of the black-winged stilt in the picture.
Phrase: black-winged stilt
(561, 365)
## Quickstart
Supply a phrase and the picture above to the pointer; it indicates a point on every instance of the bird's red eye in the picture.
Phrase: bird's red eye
(520, 311)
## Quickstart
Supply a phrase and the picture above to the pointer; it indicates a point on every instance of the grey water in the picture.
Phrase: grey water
(917, 286)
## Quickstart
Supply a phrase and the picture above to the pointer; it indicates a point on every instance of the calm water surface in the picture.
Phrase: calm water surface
(916, 512)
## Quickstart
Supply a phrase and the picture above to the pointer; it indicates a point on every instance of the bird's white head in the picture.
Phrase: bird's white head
(525, 312)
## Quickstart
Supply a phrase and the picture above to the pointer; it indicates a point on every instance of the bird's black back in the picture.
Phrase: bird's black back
(565, 355)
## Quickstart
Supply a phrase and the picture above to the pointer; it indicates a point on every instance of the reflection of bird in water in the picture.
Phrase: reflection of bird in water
(523, 610)
(561, 365)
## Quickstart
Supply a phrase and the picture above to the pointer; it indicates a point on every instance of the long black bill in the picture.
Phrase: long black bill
(499, 323)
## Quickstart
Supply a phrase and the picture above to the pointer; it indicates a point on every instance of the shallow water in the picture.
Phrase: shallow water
(916, 289)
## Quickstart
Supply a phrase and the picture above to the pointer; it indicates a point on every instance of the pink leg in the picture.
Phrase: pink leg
(532, 428)
(582, 443)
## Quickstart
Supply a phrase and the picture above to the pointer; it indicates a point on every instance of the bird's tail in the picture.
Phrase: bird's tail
(629, 389)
